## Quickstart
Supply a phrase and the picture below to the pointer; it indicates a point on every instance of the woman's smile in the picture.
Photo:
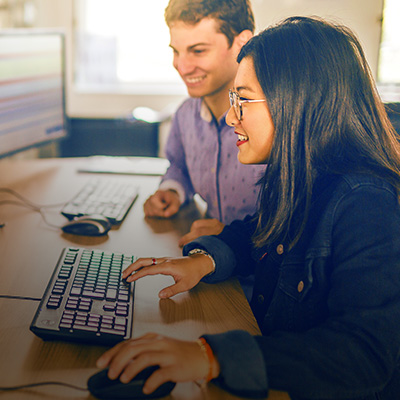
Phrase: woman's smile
(241, 139)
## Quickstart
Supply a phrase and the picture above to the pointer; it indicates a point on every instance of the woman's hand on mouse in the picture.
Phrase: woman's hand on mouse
(186, 271)
(179, 361)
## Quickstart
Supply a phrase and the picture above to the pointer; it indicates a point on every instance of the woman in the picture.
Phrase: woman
(325, 246)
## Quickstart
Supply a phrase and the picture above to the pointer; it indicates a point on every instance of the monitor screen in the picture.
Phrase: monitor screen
(32, 89)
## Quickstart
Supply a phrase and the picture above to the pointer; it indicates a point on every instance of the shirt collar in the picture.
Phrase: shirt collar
(206, 115)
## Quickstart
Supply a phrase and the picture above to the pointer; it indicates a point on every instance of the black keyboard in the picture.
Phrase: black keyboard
(86, 300)
(110, 198)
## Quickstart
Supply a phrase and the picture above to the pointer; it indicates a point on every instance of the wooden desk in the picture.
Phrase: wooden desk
(29, 250)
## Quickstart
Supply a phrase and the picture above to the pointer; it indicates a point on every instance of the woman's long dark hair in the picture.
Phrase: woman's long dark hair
(327, 114)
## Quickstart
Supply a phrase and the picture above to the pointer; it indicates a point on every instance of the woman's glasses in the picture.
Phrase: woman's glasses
(236, 102)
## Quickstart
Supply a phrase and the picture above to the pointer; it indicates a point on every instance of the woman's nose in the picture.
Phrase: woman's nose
(231, 118)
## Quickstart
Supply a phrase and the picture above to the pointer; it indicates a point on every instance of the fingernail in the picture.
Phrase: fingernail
(100, 363)
(111, 374)
(146, 390)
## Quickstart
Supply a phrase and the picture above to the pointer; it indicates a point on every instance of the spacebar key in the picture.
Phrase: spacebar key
(86, 328)
(112, 331)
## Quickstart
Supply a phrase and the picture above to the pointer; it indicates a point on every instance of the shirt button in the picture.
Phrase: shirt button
(280, 249)
(260, 298)
(300, 286)
(213, 170)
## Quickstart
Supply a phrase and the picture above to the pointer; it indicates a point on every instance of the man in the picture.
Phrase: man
(206, 37)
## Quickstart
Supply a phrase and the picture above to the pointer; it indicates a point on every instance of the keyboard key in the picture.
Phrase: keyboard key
(120, 321)
(112, 331)
(85, 328)
(75, 291)
(52, 304)
(111, 294)
(123, 297)
(109, 307)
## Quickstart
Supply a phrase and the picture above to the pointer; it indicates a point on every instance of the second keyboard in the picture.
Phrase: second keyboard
(110, 198)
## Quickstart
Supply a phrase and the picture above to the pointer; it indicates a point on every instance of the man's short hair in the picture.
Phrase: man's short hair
(233, 16)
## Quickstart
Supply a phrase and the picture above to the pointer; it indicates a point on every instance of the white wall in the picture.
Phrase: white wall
(363, 16)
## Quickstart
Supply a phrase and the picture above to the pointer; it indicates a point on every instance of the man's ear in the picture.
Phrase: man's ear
(243, 38)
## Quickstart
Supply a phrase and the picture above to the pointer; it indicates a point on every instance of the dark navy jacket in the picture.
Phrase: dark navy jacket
(328, 309)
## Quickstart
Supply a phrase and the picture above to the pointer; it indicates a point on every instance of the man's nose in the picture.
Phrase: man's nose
(183, 64)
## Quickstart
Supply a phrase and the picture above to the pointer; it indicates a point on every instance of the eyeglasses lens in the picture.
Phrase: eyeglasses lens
(234, 101)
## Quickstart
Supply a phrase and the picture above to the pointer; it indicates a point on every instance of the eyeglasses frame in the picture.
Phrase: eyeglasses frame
(235, 95)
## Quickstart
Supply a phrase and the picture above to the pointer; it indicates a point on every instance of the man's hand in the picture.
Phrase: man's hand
(163, 203)
(202, 227)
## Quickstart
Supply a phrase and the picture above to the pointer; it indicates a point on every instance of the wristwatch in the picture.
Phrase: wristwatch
(201, 251)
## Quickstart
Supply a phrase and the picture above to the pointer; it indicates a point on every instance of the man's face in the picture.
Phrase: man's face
(202, 57)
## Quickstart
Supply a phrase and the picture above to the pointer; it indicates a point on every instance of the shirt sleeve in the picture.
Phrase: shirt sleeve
(178, 171)
(239, 348)
(170, 184)
(352, 353)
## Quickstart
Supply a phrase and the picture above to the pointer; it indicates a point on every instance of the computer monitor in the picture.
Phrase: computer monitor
(32, 89)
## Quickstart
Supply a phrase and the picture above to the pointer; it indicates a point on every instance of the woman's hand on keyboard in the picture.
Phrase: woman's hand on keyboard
(186, 271)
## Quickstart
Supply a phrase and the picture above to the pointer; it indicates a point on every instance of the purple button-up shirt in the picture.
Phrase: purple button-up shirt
(203, 157)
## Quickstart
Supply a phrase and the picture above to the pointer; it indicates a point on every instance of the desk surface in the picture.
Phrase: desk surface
(29, 249)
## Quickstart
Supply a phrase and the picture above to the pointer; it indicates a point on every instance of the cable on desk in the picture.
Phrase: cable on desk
(31, 385)
(28, 202)
(6, 296)
(24, 202)
(39, 210)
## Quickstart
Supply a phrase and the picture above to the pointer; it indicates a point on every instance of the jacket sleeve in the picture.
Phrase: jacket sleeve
(175, 152)
(355, 351)
(231, 249)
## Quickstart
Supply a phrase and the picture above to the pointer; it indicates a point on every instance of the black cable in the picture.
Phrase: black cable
(38, 208)
(31, 385)
(6, 296)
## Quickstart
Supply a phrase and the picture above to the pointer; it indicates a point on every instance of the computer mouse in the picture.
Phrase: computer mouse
(88, 225)
(104, 388)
